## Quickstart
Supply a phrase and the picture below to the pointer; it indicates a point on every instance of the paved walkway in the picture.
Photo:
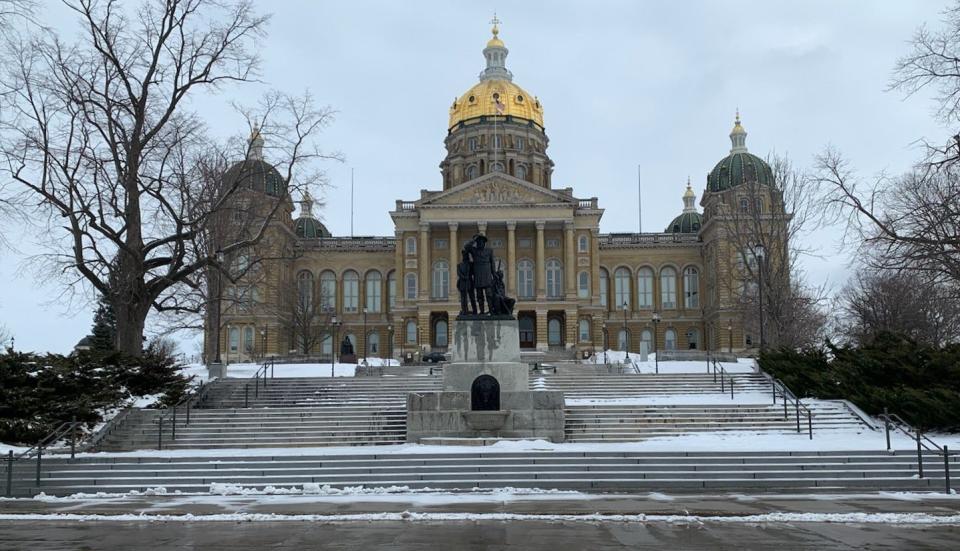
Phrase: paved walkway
(398, 536)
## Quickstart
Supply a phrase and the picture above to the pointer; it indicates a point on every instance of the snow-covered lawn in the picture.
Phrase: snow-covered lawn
(715, 399)
(742, 365)
(247, 370)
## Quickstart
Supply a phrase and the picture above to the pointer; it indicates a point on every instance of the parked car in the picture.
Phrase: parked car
(434, 357)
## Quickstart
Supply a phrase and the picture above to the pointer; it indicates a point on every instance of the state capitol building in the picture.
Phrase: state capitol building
(577, 289)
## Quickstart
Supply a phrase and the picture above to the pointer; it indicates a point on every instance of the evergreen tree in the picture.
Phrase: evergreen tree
(104, 328)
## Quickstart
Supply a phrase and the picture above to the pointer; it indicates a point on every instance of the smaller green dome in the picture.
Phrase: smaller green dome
(308, 227)
(688, 222)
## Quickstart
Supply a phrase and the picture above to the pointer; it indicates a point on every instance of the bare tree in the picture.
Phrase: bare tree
(304, 313)
(98, 136)
(897, 302)
(765, 231)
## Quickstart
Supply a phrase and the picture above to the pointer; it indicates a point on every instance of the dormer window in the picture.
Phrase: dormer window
(473, 144)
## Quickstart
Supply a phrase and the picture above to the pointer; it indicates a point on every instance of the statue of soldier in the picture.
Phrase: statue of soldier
(465, 283)
(346, 347)
(504, 304)
(483, 272)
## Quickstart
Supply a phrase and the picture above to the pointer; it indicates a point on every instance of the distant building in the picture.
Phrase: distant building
(577, 289)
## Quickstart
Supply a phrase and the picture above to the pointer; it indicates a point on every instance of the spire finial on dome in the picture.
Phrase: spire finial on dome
(738, 136)
(306, 208)
(255, 152)
(496, 54)
(689, 198)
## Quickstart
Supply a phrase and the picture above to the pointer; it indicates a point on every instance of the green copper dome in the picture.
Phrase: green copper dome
(740, 166)
(257, 175)
(688, 222)
(308, 227)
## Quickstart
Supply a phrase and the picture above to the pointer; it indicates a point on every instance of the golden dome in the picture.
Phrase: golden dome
(481, 100)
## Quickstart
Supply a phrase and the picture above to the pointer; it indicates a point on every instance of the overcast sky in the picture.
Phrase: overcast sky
(623, 84)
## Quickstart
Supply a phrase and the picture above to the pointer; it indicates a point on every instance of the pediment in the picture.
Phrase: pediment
(496, 189)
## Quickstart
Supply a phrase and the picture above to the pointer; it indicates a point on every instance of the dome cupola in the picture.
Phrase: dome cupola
(306, 225)
(689, 221)
(740, 166)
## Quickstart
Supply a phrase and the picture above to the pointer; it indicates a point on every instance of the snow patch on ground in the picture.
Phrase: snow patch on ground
(742, 365)
(766, 518)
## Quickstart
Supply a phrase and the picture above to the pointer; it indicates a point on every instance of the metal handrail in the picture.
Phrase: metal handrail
(787, 394)
(924, 442)
(56, 435)
(199, 394)
(724, 374)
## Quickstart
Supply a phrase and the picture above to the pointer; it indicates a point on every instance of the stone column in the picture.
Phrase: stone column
(423, 266)
(511, 272)
(541, 269)
(570, 262)
(399, 266)
(454, 256)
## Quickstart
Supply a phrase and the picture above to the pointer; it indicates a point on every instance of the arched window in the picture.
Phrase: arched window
(440, 333)
(645, 288)
(234, 339)
(584, 330)
(554, 332)
(441, 279)
(411, 245)
(647, 337)
(670, 339)
(668, 288)
(621, 287)
(471, 172)
(583, 244)
(554, 278)
(525, 286)
(372, 295)
(373, 344)
(604, 287)
(521, 172)
(392, 290)
(623, 339)
(691, 288)
(693, 339)
(305, 290)
(326, 345)
(583, 285)
(411, 332)
(351, 291)
(248, 341)
(497, 167)
(410, 284)
(328, 291)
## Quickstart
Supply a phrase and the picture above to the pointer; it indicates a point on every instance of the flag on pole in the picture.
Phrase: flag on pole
(500, 107)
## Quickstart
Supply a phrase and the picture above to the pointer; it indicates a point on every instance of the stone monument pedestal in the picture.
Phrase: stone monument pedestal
(486, 391)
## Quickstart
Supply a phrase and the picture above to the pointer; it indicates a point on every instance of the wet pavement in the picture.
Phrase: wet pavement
(485, 535)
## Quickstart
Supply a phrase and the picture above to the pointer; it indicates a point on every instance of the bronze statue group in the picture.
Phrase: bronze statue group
(480, 282)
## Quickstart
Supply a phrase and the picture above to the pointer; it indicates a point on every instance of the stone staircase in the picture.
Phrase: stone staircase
(670, 472)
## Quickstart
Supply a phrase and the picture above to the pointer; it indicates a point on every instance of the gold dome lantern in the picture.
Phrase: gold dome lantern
(496, 95)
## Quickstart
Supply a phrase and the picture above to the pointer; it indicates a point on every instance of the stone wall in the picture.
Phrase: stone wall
(527, 414)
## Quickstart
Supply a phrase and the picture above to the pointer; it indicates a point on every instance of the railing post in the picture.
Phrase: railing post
(188, 411)
(886, 426)
(714, 371)
(810, 424)
(264, 376)
(786, 415)
(731, 387)
(173, 429)
(796, 402)
(246, 395)
(73, 437)
(946, 468)
(773, 390)
(256, 386)
(271, 368)
(160, 432)
(39, 460)
(722, 387)
(919, 454)
(9, 473)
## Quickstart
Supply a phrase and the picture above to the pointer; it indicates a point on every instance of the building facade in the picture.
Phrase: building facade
(578, 290)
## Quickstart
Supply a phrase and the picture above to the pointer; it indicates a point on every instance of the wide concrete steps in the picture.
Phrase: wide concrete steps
(589, 471)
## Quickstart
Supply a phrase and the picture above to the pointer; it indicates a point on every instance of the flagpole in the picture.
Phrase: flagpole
(639, 203)
(351, 201)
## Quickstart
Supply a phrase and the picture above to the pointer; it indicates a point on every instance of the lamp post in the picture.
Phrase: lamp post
(389, 343)
(219, 257)
(759, 253)
(366, 337)
(333, 349)
(263, 342)
(626, 338)
(730, 336)
(656, 353)
(606, 341)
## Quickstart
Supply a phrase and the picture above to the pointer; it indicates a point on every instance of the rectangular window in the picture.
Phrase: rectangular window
(496, 243)
(411, 286)
(351, 295)
(518, 142)
(645, 288)
(392, 292)
(524, 243)
(440, 244)
(553, 243)
(373, 295)
(603, 291)
(583, 285)
(473, 144)
(328, 294)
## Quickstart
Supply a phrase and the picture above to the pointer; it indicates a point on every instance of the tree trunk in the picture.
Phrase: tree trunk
(131, 319)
